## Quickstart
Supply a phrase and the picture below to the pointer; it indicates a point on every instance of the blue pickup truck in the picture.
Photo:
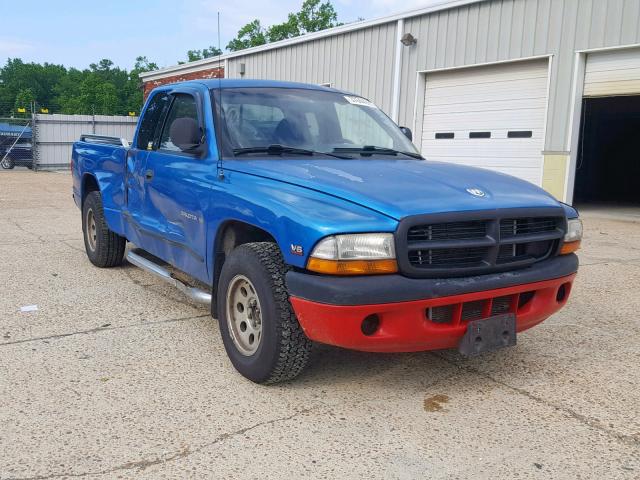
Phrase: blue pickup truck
(304, 214)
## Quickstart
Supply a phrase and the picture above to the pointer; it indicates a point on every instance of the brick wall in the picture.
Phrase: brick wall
(217, 72)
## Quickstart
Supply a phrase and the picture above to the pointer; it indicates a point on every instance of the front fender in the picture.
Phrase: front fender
(296, 217)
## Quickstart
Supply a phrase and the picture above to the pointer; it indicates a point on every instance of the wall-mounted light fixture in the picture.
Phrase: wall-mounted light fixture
(241, 69)
(407, 40)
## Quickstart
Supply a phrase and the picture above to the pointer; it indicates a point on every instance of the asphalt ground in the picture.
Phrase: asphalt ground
(118, 375)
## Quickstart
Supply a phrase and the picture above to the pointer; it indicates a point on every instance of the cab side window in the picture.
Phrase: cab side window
(152, 120)
(183, 106)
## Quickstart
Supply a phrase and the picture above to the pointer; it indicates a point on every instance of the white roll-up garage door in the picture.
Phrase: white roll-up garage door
(491, 117)
(612, 73)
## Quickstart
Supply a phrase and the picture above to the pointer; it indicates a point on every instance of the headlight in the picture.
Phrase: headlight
(573, 237)
(354, 254)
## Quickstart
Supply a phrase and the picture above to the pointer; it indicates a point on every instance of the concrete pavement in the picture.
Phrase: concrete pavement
(117, 375)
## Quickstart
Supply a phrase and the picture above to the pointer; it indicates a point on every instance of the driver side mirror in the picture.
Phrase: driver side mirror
(407, 132)
(187, 135)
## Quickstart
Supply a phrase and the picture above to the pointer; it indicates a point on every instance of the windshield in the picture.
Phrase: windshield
(314, 120)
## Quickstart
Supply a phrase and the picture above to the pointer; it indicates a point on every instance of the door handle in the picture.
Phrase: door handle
(148, 175)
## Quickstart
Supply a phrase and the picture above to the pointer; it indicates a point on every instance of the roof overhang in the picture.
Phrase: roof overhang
(220, 61)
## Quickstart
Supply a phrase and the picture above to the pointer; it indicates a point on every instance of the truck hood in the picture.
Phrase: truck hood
(398, 187)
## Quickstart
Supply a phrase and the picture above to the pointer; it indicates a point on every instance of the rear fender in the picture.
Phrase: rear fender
(102, 166)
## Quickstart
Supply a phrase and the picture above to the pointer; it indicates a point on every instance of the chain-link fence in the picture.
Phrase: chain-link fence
(16, 142)
(18, 110)
(37, 138)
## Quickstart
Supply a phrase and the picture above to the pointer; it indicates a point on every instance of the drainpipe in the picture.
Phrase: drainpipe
(395, 105)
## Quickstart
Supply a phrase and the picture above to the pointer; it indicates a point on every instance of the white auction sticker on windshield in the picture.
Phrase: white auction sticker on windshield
(359, 101)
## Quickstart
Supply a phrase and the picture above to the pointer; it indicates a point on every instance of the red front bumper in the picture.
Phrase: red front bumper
(428, 324)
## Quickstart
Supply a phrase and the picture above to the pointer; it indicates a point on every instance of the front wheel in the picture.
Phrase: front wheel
(260, 331)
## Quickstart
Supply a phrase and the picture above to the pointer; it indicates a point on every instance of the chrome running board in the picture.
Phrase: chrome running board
(195, 294)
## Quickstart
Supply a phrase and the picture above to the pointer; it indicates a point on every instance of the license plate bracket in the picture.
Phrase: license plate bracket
(488, 334)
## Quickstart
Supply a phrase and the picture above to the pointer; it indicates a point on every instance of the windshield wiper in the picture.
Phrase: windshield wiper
(276, 149)
(368, 150)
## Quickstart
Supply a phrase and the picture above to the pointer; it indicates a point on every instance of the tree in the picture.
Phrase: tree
(106, 99)
(282, 31)
(251, 35)
(23, 99)
(314, 15)
(102, 88)
(16, 75)
(133, 93)
(193, 55)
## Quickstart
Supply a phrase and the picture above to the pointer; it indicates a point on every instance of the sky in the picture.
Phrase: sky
(78, 33)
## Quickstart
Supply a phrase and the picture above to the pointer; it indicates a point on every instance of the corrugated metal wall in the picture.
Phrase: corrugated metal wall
(510, 29)
(54, 134)
(494, 30)
(359, 61)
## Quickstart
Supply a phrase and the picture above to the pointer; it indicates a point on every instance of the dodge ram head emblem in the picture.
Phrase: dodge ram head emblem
(476, 192)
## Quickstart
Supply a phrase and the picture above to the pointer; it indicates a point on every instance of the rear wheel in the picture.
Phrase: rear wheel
(260, 331)
(7, 163)
(104, 247)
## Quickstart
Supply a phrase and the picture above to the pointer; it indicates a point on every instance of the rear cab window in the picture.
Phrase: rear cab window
(151, 122)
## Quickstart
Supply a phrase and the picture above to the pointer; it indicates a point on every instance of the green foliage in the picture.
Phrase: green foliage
(251, 35)
(282, 31)
(23, 99)
(193, 55)
(100, 89)
(314, 15)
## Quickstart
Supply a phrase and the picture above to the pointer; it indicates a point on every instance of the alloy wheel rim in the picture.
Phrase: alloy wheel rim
(244, 316)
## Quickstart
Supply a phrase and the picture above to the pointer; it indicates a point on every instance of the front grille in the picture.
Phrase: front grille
(501, 305)
(452, 257)
(461, 244)
(456, 314)
(511, 252)
(473, 310)
(442, 314)
(447, 231)
(514, 227)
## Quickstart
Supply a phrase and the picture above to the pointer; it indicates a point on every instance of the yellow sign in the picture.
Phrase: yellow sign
(22, 110)
(132, 114)
(44, 110)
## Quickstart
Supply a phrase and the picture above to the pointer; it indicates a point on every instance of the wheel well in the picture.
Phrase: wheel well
(230, 235)
(89, 184)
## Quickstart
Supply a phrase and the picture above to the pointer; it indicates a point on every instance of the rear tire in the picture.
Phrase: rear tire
(260, 331)
(7, 163)
(104, 247)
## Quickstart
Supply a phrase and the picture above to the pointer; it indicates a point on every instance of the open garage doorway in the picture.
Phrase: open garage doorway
(608, 163)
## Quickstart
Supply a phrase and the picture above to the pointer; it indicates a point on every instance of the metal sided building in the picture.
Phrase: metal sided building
(546, 90)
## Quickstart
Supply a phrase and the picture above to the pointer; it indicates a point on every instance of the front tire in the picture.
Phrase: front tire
(104, 247)
(259, 329)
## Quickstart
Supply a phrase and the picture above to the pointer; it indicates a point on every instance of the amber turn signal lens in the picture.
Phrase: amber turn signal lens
(352, 267)
(570, 247)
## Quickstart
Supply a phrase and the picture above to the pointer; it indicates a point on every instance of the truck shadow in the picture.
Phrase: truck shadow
(331, 365)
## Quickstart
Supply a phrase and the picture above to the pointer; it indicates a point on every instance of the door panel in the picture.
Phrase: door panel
(177, 188)
(176, 199)
(147, 137)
